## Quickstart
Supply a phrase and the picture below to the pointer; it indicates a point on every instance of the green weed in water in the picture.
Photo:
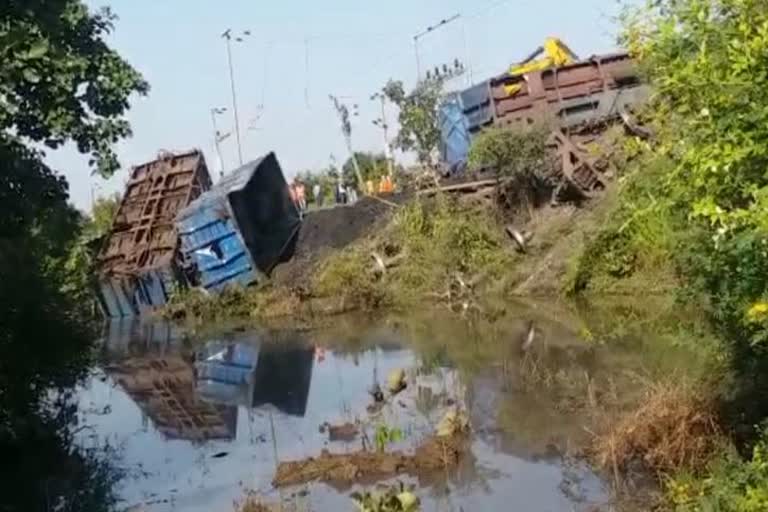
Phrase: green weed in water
(386, 435)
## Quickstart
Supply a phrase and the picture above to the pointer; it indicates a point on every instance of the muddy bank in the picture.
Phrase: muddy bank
(343, 469)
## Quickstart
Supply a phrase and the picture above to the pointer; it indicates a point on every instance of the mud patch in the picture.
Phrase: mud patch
(435, 453)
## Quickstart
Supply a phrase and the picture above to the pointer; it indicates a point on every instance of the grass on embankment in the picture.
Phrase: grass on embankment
(435, 250)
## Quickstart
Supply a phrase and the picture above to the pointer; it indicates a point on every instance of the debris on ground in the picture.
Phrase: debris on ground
(376, 393)
(433, 454)
(254, 503)
(521, 238)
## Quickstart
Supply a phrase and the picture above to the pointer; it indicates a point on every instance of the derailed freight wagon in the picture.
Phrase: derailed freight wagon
(577, 100)
(137, 264)
(236, 233)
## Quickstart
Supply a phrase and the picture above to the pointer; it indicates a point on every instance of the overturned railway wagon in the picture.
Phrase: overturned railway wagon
(137, 265)
(240, 229)
(577, 99)
(576, 95)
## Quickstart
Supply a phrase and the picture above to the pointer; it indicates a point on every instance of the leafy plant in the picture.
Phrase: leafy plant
(418, 117)
(518, 153)
(734, 485)
(386, 435)
(395, 499)
(59, 82)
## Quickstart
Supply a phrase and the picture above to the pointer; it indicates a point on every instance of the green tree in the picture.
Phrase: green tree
(521, 157)
(514, 153)
(79, 279)
(59, 82)
(418, 118)
(707, 60)
(102, 214)
(372, 167)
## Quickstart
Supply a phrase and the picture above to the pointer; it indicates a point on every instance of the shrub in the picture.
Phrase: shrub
(519, 155)
(674, 428)
(733, 485)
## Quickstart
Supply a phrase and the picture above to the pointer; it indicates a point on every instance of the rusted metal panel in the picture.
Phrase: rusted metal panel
(577, 100)
(143, 241)
(543, 93)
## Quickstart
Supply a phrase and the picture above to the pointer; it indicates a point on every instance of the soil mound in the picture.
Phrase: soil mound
(327, 229)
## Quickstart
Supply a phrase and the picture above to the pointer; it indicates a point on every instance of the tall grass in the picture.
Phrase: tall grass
(432, 241)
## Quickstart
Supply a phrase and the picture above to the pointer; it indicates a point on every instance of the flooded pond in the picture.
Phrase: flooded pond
(199, 423)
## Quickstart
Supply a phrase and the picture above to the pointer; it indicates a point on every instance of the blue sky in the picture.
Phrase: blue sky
(298, 52)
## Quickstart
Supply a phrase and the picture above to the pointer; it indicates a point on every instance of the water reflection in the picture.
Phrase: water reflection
(206, 421)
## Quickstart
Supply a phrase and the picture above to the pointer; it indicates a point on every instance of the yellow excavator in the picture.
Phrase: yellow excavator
(555, 54)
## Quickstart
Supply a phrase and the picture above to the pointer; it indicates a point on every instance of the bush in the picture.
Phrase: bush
(733, 485)
(520, 155)
(674, 428)
(641, 234)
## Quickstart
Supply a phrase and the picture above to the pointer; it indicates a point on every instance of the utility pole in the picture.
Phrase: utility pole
(382, 122)
(428, 30)
(418, 61)
(218, 138)
(227, 35)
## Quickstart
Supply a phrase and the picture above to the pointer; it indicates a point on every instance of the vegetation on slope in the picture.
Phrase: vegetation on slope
(694, 202)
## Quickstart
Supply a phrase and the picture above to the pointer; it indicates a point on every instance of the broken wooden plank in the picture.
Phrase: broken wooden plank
(460, 187)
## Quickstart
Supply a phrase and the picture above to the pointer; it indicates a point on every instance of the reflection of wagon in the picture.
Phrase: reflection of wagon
(224, 373)
(254, 375)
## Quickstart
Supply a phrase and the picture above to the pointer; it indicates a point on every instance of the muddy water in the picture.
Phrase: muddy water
(198, 424)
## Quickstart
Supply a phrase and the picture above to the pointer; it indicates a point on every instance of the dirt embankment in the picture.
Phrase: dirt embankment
(329, 229)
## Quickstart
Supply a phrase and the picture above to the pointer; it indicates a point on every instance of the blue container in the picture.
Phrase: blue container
(454, 132)
(235, 233)
(476, 102)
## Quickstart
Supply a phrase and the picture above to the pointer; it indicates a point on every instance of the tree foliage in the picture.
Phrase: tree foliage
(700, 192)
(372, 167)
(708, 63)
(516, 153)
(60, 81)
(418, 117)
(102, 214)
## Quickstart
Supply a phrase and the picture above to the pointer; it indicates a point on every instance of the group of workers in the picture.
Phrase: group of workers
(343, 194)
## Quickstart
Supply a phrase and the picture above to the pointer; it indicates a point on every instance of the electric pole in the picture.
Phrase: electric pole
(227, 35)
(218, 138)
(428, 30)
(382, 122)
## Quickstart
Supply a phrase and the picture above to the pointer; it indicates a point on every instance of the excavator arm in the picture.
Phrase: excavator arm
(555, 54)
